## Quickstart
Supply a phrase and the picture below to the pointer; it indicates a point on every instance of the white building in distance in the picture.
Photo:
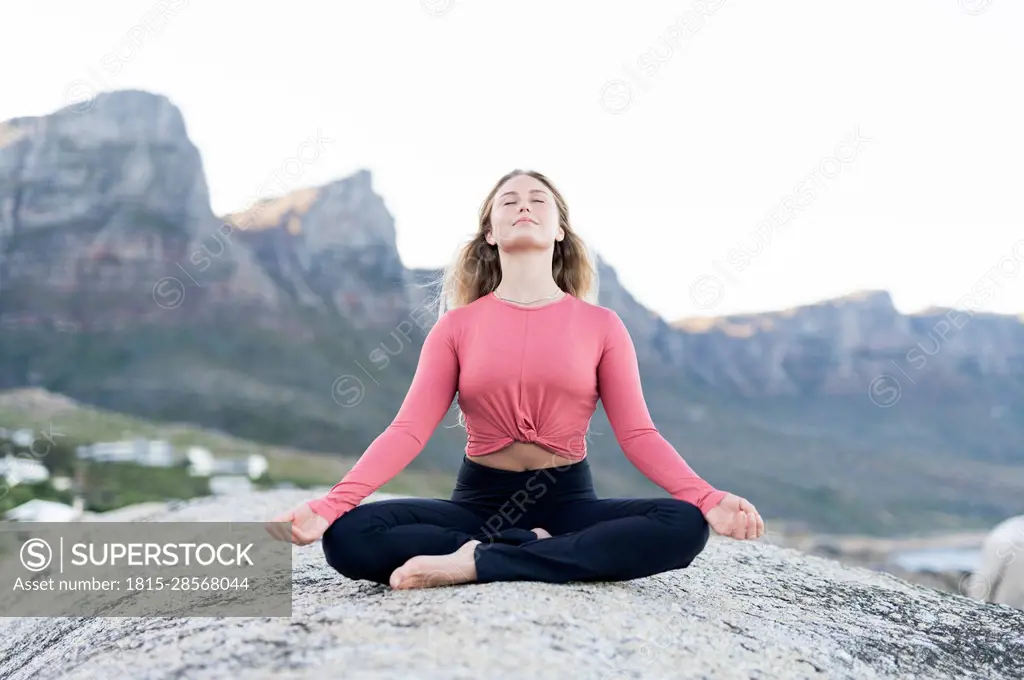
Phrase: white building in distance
(150, 453)
(37, 510)
(21, 470)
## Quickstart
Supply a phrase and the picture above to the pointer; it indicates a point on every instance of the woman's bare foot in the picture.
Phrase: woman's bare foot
(429, 571)
(541, 533)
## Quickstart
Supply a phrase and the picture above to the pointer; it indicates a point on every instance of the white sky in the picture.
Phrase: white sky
(439, 98)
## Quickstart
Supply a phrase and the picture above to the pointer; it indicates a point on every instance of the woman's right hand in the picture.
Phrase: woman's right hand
(306, 526)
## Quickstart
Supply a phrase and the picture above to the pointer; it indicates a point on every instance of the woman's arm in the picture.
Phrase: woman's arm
(429, 398)
(618, 383)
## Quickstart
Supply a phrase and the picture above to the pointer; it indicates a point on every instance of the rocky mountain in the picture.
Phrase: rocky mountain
(838, 346)
(332, 248)
(101, 209)
(842, 345)
(294, 320)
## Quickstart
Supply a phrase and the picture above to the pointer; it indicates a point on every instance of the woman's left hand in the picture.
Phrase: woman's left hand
(735, 517)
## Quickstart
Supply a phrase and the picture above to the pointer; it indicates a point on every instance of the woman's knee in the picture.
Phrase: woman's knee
(345, 546)
(688, 527)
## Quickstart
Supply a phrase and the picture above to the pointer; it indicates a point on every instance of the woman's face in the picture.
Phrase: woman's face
(524, 216)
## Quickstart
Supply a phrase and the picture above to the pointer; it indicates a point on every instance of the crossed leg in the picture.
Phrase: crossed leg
(427, 542)
(375, 541)
(608, 539)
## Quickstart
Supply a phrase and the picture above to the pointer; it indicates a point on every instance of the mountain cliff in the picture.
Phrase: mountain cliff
(99, 210)
(332, 248)
(294, 320)
(842, 345)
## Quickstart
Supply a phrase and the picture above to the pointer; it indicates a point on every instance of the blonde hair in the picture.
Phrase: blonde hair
(476, 269)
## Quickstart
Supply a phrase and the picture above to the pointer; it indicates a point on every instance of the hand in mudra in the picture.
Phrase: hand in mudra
(735, 517)
(306, 525)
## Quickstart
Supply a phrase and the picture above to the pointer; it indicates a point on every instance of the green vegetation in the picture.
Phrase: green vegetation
(59, 428)
(109, 486)
(104, 486)
(23, 493)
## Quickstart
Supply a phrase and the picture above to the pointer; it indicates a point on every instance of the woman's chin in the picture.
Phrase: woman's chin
(524, 239)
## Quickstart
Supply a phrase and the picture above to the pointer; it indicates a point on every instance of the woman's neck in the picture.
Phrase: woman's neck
(526, 275)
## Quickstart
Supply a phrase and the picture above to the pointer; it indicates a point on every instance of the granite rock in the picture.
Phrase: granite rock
(1000, 579)
(744, 609)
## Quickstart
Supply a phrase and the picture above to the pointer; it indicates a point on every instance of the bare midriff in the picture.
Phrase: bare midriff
(522, 456)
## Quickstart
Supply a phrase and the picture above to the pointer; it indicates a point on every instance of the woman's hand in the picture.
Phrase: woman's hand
(735, 517)
(306, 525)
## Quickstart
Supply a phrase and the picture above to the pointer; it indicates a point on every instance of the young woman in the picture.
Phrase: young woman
(523, 344)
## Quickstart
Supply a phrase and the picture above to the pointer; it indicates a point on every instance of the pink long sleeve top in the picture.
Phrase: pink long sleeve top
(527, 374)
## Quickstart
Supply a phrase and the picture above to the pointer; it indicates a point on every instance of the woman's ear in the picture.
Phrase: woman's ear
(489, 237)
(561, 234)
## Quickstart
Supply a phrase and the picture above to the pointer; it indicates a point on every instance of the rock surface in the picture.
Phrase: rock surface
(742, 610)
(1001, 576)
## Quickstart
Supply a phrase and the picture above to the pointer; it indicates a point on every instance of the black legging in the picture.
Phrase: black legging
(592, 539)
